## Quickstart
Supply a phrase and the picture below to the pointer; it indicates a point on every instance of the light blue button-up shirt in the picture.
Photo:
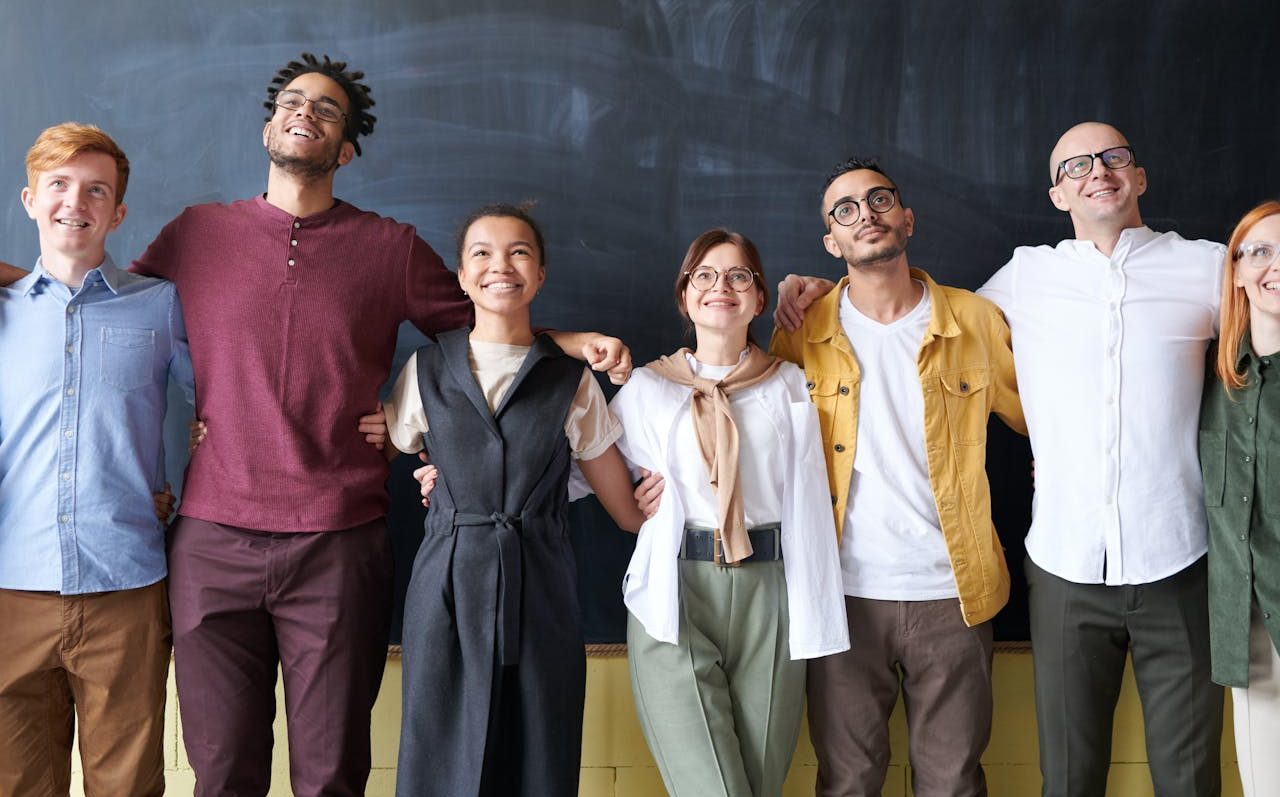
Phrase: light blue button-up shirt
(83, 383)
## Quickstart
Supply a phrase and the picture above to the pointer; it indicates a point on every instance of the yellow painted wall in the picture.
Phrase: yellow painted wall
(616, 762)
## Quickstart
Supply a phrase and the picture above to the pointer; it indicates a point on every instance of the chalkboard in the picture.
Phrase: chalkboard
(638, 124)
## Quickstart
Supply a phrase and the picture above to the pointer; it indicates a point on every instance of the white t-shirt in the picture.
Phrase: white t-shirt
(892, 548)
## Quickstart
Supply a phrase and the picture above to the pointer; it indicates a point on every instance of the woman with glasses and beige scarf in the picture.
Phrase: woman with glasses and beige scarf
(735, 580)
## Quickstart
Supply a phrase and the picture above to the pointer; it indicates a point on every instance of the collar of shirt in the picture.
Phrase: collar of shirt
(107, 271)
(823, 321)
(1133, 238)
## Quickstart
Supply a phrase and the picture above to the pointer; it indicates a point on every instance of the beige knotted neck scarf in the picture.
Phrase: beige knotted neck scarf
(717, 435)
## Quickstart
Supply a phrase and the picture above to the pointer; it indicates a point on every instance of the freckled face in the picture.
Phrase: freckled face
(74, 205)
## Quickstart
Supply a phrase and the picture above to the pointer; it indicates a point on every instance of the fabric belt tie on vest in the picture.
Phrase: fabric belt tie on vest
(510, 578)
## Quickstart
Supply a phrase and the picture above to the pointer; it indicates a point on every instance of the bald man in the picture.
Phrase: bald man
(1110, 330)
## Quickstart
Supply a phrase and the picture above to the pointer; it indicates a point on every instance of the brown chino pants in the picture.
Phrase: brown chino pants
(318, 606)
(944, 668)
(101, 658)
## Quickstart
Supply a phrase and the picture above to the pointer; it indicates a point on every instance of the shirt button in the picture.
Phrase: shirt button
(68, 434)
(71, 391)
(808, 386)
(297, 224)
(71, 308)
(65, 519)
(291, 261)
(294, 242)
(844, 391)
(1243, 537)
(839, 448)
(66, 475)
(71, 350)
(1266, 615)
(1250, 419)
(1244, 498)
(1248, 458)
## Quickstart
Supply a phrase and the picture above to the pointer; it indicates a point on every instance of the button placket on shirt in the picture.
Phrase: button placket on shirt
(72, 368)
(1113, 297)
(291, 258)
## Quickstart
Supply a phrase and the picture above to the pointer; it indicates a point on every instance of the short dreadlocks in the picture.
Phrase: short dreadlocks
(359, 120)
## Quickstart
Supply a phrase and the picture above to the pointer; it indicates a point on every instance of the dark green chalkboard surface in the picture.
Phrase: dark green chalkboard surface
(639, 123)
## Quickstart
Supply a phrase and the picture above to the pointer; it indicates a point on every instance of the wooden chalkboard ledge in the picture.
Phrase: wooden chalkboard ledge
(620, 650)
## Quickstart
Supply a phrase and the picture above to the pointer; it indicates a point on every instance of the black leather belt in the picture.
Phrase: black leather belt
(702, 544)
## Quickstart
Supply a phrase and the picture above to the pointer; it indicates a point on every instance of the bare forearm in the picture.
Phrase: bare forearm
(611, 481)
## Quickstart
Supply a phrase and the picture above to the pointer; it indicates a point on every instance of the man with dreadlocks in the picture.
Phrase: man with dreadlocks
(280, 556)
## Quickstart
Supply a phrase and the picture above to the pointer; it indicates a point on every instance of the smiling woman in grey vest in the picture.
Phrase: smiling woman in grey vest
(494, 666)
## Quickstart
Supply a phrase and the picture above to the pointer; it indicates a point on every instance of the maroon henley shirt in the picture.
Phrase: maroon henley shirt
(293, 323)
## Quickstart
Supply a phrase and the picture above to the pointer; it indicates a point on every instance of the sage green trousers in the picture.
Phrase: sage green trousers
(721, 708)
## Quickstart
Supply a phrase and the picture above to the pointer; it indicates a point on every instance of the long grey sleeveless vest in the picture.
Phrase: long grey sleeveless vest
(494, 668)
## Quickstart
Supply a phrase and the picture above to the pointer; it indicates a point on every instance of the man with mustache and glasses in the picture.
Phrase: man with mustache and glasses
(905, 373)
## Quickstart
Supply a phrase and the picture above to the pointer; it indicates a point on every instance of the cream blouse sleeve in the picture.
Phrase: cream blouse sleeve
(590, 427)
(406, 417)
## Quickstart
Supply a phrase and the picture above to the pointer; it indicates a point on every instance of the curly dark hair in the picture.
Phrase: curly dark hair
(359, 120)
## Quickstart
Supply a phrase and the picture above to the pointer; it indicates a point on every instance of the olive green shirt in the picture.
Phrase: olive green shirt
(1240, 460)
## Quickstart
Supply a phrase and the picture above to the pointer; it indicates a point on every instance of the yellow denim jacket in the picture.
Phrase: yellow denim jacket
(966, 373)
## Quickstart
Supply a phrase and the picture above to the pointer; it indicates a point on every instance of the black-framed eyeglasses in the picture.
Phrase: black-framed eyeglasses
(880, 199)
(738, 278)
(293, 100)
(1077, 167)
(1258, 255)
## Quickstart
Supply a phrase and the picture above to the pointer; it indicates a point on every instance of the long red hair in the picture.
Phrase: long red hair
(1235, 304)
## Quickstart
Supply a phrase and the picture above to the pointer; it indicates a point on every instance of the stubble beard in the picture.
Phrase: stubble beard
(887, 252)
(306, 169)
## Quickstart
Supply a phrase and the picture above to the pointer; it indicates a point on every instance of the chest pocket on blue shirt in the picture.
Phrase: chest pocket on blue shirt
(127, 355)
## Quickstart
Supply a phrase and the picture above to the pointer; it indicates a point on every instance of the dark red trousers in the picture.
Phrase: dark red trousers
(314, 605)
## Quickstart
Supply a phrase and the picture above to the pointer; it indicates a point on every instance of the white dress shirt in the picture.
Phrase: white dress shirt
(654, 413)
(1110, 360)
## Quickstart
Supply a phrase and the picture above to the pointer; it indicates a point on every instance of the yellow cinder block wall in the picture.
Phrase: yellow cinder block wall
(616, 762)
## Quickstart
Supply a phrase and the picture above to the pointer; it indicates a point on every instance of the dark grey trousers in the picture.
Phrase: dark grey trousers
(1080, 634)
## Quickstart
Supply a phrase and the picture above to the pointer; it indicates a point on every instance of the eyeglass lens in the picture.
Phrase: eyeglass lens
(879, 200)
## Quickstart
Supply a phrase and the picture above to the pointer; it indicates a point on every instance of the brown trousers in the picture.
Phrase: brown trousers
(101, 658)
(944, 668)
